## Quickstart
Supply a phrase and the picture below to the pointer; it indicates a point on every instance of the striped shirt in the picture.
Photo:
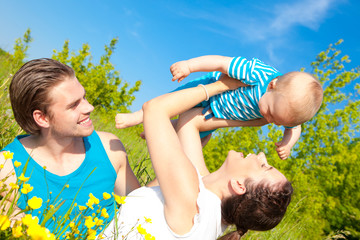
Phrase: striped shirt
(243, 103)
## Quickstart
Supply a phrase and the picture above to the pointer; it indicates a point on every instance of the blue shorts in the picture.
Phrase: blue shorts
(204, 104)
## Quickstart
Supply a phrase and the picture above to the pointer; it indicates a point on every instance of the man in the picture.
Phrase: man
(62, 153)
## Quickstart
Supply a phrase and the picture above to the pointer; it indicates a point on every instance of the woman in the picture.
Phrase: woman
(246, 191)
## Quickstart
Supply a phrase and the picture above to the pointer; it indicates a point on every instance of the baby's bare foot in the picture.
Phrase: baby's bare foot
(125, 120)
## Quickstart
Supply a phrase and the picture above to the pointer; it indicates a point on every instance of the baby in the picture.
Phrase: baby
(266, 96)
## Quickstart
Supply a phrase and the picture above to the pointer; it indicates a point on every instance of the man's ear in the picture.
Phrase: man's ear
(272, 84)
(41, 119)
(238, 186)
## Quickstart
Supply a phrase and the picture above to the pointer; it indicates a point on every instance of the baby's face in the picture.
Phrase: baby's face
(275, 108)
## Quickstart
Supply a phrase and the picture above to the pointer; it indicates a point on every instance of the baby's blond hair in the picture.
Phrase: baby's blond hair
(304, 94)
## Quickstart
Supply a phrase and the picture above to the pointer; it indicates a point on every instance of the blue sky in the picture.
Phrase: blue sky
(154, 34)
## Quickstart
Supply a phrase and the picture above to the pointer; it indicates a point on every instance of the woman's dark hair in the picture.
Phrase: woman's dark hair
(30, 88)
(260, 208)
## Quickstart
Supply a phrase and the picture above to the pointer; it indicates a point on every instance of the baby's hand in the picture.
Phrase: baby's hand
(282, 150)
(180, 70)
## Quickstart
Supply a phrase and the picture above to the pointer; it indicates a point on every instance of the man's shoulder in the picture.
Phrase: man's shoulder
(106, 135)
(110, 140)
(14, 144)
(114, 149)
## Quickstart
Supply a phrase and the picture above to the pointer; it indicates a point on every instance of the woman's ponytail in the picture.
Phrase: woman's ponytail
(235, 235)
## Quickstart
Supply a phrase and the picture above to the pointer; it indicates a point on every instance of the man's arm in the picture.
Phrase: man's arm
(126, 180)
(291, 135)
(208, 63)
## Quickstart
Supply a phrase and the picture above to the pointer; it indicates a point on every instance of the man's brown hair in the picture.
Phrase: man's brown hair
(30, 88)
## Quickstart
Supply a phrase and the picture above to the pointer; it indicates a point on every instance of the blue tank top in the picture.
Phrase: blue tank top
(95, 175)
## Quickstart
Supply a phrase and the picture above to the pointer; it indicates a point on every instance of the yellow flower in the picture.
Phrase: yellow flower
(17, 164)
(141, 230)
(104, 213)
(148, 236)
(100, 236)
(82, 208)
(4, 222)
(8, 155)
(39, 233)
(90, 203)
(93, 199)
(14, 185)
(98, 222)
(71, 224)
(148, 220)
(1, 166)
(35, 202)
(89, 223)
(29, 220)
(106, 196)
(91, 234)
(26, 188)
(118, 199)
(17, 231)
(23, 178)
(67, 185)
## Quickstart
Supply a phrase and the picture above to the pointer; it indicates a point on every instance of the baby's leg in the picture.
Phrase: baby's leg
(124, 120)
(189, 137)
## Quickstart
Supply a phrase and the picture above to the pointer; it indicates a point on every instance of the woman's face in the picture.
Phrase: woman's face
(254, 166)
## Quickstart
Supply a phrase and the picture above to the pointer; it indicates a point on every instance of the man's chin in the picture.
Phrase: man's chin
(88, 131)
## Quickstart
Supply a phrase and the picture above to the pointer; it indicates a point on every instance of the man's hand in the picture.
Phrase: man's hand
(180, 70)
(283, 150)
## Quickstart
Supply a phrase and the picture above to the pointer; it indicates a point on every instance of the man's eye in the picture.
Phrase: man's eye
(74, 105)
(263, 165)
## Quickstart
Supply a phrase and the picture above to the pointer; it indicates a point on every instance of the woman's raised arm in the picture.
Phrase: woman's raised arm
(177, 176)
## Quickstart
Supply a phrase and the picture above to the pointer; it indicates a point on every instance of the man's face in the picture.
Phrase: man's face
(70, 110)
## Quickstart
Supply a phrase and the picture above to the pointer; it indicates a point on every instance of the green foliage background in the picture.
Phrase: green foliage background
(325, 163)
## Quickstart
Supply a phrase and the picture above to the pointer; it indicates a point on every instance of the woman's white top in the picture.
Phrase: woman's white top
(147, 203)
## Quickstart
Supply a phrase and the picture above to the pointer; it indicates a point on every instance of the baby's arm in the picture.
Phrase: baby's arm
(291, 135)
(208, 63)
(124, 120)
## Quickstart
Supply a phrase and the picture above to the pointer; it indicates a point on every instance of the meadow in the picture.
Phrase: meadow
(323, 169)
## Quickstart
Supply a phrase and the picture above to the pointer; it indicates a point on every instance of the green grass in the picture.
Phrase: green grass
(8, 126)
